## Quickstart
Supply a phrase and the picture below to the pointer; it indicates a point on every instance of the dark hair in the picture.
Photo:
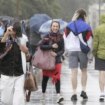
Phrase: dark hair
(17, 28)
(81, 13)
(54, 21)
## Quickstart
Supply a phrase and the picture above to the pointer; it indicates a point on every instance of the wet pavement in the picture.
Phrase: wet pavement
(66, 90)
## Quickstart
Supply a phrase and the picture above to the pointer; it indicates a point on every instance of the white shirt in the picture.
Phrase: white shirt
(72, 42)
(23, 40)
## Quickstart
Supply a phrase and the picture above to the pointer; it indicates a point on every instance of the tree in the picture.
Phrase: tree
(7, 7)
(70, 6)
(26, 8)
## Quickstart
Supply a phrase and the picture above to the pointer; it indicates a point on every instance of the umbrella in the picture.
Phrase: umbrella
(45, 28)
(36, 21)
(1, 31)
(7, 20)
(4, 18)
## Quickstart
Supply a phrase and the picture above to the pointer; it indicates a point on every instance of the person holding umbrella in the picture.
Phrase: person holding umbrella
(53, 41)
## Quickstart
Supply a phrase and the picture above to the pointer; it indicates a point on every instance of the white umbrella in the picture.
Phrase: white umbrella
(45, 27)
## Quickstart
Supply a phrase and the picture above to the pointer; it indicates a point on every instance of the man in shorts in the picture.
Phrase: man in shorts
(78, 30)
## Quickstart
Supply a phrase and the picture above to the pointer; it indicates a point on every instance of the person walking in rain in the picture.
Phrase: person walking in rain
(13, 66)
(78, 32)
(53, 41)
(99, 53)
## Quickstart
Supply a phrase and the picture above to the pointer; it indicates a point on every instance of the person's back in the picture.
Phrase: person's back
(99, 54)
(72, 42)
(78, 34)
(100, 35)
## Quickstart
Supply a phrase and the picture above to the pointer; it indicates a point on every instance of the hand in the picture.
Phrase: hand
(9, 30)
(53, 53)
(7, 33)
(54, 45)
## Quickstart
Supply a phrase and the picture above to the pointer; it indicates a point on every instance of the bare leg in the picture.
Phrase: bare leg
(84, 79)
(102, 80)
(74, 73)
(102, 85)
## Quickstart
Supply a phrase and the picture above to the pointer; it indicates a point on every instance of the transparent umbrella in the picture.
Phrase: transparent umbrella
(1, 31)
(45, 27)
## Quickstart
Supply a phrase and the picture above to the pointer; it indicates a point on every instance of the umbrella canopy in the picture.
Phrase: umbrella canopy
(36, 21)
(7, 20)
(3, 18)
(45, 27)
(1, 31)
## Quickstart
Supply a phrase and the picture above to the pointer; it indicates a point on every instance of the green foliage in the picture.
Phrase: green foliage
(55, 8)
(6, 8)
(102, 19)
(70, 6)
(26, 8)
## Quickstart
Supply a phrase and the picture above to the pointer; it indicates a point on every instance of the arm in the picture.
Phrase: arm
(5, 37)
(67, 31)
(44, 45)
(61, 51)
(6, 34)
(23, 44)
(24, 48)
(89, 38)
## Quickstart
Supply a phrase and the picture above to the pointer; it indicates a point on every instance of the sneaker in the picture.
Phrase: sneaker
(74, 97)
(101, 99)
(84, 95)
(43, 97)
(60, 99)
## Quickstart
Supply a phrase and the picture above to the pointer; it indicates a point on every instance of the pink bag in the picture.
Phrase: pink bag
(43, 60)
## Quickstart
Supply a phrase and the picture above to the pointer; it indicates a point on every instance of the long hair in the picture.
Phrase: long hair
(17, 29)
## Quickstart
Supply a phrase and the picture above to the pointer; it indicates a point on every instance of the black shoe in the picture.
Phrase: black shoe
(101, 99)
(74, 97)
(60, 99)
(84, 95)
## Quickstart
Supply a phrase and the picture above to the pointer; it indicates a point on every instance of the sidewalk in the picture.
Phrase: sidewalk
(92, 89)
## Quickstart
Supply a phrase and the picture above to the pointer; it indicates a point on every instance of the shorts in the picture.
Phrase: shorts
(99, 64)
(76, 57)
